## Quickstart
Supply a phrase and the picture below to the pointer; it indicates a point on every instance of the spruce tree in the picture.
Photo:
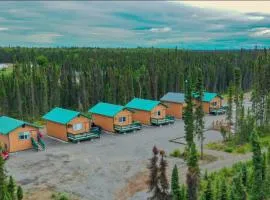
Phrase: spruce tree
(223, 190)
(244, 174)
(19, 193)
(266, 184)
(11, 188)
(2, 179)
(183, 192)
(257, 192)
(237, 92)
(268, 155)
(199, 113)
(163, 180)
(154, 176)
(238, 189)
(193, 174)
(188, 114)
(175, 187)
(230, 104)
(264, 166)
(209, 192)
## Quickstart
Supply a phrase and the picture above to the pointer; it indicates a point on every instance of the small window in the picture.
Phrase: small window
(24, 136)
(77, 127)
(122, 119)
(158, 113)
(214, 103)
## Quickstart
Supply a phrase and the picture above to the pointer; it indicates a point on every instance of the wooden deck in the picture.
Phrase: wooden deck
(128, 128)
(166, 120)
(94, 133)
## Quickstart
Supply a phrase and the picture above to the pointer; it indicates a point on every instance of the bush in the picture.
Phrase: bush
(60, 196)
(243, 148)
(216, 146)
(176, 153)
(228, 149)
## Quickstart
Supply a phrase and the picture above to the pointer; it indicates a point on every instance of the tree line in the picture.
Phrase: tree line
(78, 78)
(245, 180)
(8, 188)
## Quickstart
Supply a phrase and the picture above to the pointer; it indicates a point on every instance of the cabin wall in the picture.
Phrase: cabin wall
(16, 144)
(162, 110)
(123, 113)
(206, 107)
(85, 125)
(4, 141)
(57, 130)
(174, 109)
(104, 122)
(142, 116)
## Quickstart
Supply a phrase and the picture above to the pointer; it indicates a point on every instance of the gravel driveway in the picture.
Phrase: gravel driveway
(97, 169)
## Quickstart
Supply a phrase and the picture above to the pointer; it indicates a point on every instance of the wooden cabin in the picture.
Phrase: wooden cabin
(69, 125)
(211, 101)
(149, 112)
(175, 103)
(15, 135)
(113, 118)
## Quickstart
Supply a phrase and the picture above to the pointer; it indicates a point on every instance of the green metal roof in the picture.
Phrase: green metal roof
(61, 115)
(142, 104)
(106, 109)
(8, 124)
(208, 96)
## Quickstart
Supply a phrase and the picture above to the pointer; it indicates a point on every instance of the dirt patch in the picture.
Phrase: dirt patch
(44, 194)
(207, 158)
(137, 183)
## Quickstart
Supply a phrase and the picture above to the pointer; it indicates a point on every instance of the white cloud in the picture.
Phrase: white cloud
(255, 18)
(236, 6)
(3, 28)
(179, 39)
(262, 32)
(161, 30)
(42, 37)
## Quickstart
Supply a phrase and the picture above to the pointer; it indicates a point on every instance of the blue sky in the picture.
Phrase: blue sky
(166, 24)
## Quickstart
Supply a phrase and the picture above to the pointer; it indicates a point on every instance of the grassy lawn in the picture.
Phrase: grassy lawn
(231, 147)
(6, 71)
(206, 157)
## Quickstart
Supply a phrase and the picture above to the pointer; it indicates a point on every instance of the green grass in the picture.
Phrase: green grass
(206, 158)
(6, 71)
(60, 196)
(231, 147)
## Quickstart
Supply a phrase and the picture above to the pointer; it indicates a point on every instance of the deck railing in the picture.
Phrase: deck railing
(93, 133)
(167, 120)
(127, 128)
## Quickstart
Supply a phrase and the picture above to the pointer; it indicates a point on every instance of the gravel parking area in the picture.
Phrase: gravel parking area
(97, 169)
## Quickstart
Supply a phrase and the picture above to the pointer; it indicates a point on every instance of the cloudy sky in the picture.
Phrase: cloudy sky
(188, 24)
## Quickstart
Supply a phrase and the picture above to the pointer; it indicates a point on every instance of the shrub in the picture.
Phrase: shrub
(228, 149)
(176, 153)
(60, 196)
(243, 148)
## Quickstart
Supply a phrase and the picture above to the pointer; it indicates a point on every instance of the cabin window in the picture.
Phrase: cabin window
(24, 136)
(214, 103)
(157, 113)
(77, 127)
(122, 119)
